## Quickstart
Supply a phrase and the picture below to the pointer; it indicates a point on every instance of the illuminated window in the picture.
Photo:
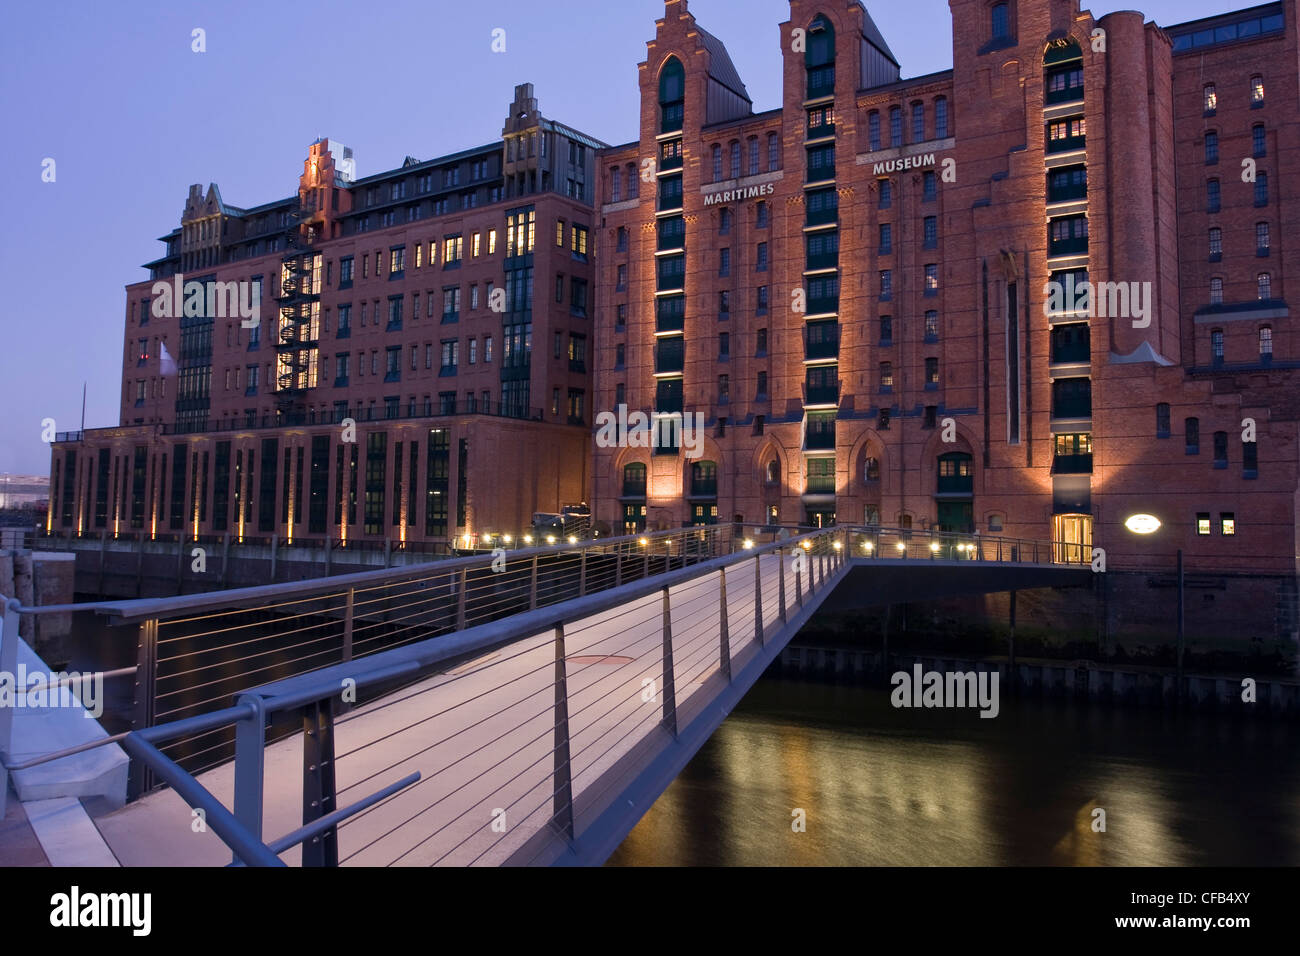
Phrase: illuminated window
(1256, 90)
(1211, 98)
(1203, 522)
(1264, 286)
(1227, 523)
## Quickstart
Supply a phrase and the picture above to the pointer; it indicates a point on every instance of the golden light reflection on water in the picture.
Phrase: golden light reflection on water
(885, 787)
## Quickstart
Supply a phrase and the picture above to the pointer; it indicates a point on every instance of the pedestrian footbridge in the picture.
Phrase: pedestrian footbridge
(524, 708)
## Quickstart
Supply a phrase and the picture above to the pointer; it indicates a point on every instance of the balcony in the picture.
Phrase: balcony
(1066, 144)
(1068, 192)
(821, 348)
(704, 487)
(823, 260)
(670, 356)
(821, 438)
(821, 394)
(1072, 464)
(1072, 406)
(1075, 245)
(820, 485)
(820, 173)
(823, 304)
(955, 485)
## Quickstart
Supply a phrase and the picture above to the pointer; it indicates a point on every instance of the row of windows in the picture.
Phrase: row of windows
(1263, 288)
(1262, 241)
(1258, 142)
(1264, 339)
(918, 126)
(1210, 94)
(748, 162)
(1192, 442)
(1213, 192)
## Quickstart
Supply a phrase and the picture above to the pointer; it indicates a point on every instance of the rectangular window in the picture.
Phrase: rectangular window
(1227, 523)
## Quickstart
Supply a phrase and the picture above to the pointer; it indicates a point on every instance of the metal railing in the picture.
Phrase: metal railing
(196, 652)
(509, 739)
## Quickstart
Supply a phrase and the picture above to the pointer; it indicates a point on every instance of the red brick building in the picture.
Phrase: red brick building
(388, 387)
(872, 293)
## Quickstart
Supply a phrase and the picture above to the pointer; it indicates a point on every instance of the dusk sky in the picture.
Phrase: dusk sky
(113, 93)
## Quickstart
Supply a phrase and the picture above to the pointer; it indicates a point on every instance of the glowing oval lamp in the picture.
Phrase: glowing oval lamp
(1142, 524)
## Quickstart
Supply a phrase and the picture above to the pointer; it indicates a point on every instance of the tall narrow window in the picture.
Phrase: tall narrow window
(1266, 343)
(1000, 22)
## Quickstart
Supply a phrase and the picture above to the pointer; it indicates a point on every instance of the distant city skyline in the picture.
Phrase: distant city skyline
(142, 116)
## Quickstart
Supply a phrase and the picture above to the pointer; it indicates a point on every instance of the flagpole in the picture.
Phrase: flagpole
(83, 407)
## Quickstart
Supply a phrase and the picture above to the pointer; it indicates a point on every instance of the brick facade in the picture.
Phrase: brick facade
(949, 394)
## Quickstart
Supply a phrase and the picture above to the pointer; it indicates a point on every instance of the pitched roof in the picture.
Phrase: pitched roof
(720, 66)
(874, 36)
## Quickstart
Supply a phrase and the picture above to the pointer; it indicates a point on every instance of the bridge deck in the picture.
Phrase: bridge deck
(481, 736)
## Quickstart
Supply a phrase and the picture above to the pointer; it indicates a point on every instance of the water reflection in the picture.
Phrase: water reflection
(886, 787)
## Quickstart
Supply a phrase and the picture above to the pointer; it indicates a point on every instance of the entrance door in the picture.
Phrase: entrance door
(819, 517)
(1072, 539)
(957, 516)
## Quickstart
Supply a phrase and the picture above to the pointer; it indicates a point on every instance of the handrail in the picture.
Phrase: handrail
(137, 609)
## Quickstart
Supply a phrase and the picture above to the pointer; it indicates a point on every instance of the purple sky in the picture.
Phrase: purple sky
(113, 93)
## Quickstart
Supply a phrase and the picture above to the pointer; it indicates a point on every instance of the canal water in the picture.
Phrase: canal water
(879, 786)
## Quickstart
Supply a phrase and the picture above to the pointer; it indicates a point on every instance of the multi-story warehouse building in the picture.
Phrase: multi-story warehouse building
(874, 294)
(388, 387)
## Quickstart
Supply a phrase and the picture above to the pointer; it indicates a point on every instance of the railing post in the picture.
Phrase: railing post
(329, 554)
(250, 766)
(801, 558)
(532, 585)
(318, 793)
(618, 565)
(725, 648)
(758, 599)
(225, 559)
(146, 676)
(780, 576)
(180, 560)
(582, 573)
(460, 598)
(103, 557)
(8, 665)
(562, 809)
(669, 721)
(646, 570)
(348, 610)
(275, 552)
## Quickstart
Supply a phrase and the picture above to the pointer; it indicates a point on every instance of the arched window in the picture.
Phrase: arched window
(672, 96)
(774, 472)
(1216, 291)
(819, 58)
(1266, 343)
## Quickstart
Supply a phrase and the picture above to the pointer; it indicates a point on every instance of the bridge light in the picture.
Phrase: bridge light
(806, 544)
(748, 543)
(901, 546)
(867, 546)
(1142, 524)
(934, 545)
(643, 541)
(505, 538)
(573, 539)
(550, 539)
(837, 546)
(528, 539)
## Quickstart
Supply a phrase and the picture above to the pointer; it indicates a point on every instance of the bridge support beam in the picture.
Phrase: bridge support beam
(318, 793)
